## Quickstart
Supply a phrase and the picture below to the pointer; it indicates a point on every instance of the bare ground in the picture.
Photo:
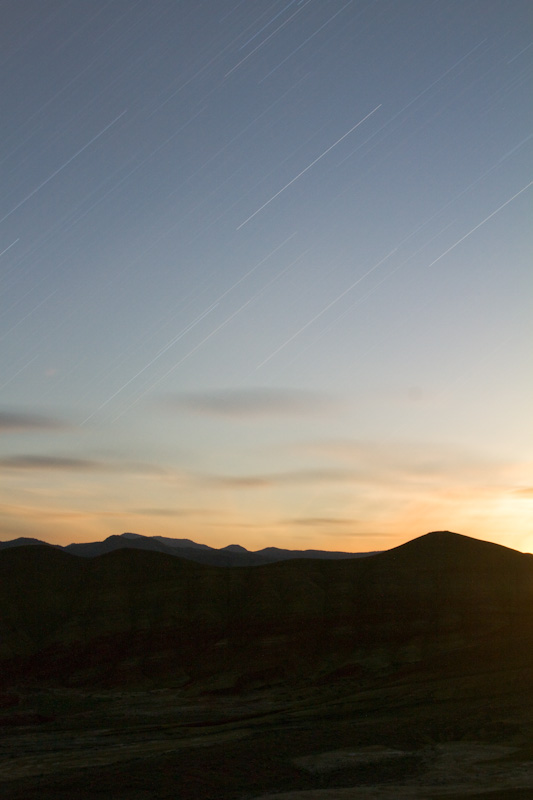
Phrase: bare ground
(452, 737)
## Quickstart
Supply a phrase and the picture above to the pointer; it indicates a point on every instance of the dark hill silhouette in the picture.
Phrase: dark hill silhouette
(233, 555)
(202, 554)
(93, 549)
(129, 615)
(235, 548)
(273, 554)
(169, 542)
(22, 541)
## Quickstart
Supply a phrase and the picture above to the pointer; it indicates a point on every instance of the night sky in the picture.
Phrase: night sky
(266, 270)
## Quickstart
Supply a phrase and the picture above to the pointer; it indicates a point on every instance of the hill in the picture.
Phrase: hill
(233, 555)
(22, 541)
(132, 616)
(141, 674)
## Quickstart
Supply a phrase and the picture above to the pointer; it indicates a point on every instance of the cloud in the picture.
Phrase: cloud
(20, 421)
(337, 523)
(31, 462)
(383, 462)
(161, 512)
(365, 534)
(277, 479)
(72, 464)
(525, 493)
(236, 481)
(244, 404)
(318, 522)
(42, 515)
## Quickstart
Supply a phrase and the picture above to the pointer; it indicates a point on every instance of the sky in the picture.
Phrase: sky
(265, 271)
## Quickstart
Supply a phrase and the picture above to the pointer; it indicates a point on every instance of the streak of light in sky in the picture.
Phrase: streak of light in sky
(193, 324)
(312, 164)
(360, 300)
(270, 21)
(62, 167)
(378, 264)
(389, 122)
(306, 41)
(176, 339)
(255, 49)
(327, 307)
(15, 374)
(9, 247)
(212, 333)
(26, 316)
(483, 221)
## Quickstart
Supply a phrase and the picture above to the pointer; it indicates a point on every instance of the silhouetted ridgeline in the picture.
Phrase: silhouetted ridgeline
(131, 616)
(234, 555)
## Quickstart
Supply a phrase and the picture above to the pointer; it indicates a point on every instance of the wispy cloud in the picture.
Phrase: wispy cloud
(335, 526)
(277, 479)
(39, 515)
(73, 464)
(161, 512)
(21, 421)
(380, 462)
(38, 462)
(235, 481)
(318, 521)
(525, 492)
(243, 404)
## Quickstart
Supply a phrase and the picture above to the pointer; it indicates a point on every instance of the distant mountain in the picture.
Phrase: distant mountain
(22, 541)
(170, 542)
(235, 548)
(93, 549)
(442, 602)
(273, 554)
(233, 555)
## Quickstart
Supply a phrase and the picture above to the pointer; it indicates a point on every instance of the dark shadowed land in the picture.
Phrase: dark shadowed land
(234, 555)
(141, 675)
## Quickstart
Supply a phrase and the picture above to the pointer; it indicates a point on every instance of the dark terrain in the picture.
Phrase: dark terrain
(142, 675)
(234, 555)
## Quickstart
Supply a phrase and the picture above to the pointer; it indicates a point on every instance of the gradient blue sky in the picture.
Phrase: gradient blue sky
(266, 270)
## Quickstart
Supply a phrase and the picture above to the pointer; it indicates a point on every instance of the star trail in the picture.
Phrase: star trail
(253, 204)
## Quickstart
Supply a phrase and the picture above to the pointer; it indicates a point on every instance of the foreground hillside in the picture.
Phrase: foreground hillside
(131, 617)
(141, 676)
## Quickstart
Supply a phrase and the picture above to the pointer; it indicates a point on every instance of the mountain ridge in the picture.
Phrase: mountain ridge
(129, 616)
(232, 555)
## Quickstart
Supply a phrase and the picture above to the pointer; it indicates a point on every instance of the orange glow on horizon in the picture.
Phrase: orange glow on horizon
(505, 521)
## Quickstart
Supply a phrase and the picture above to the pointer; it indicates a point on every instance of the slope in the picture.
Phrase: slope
(132, 616)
